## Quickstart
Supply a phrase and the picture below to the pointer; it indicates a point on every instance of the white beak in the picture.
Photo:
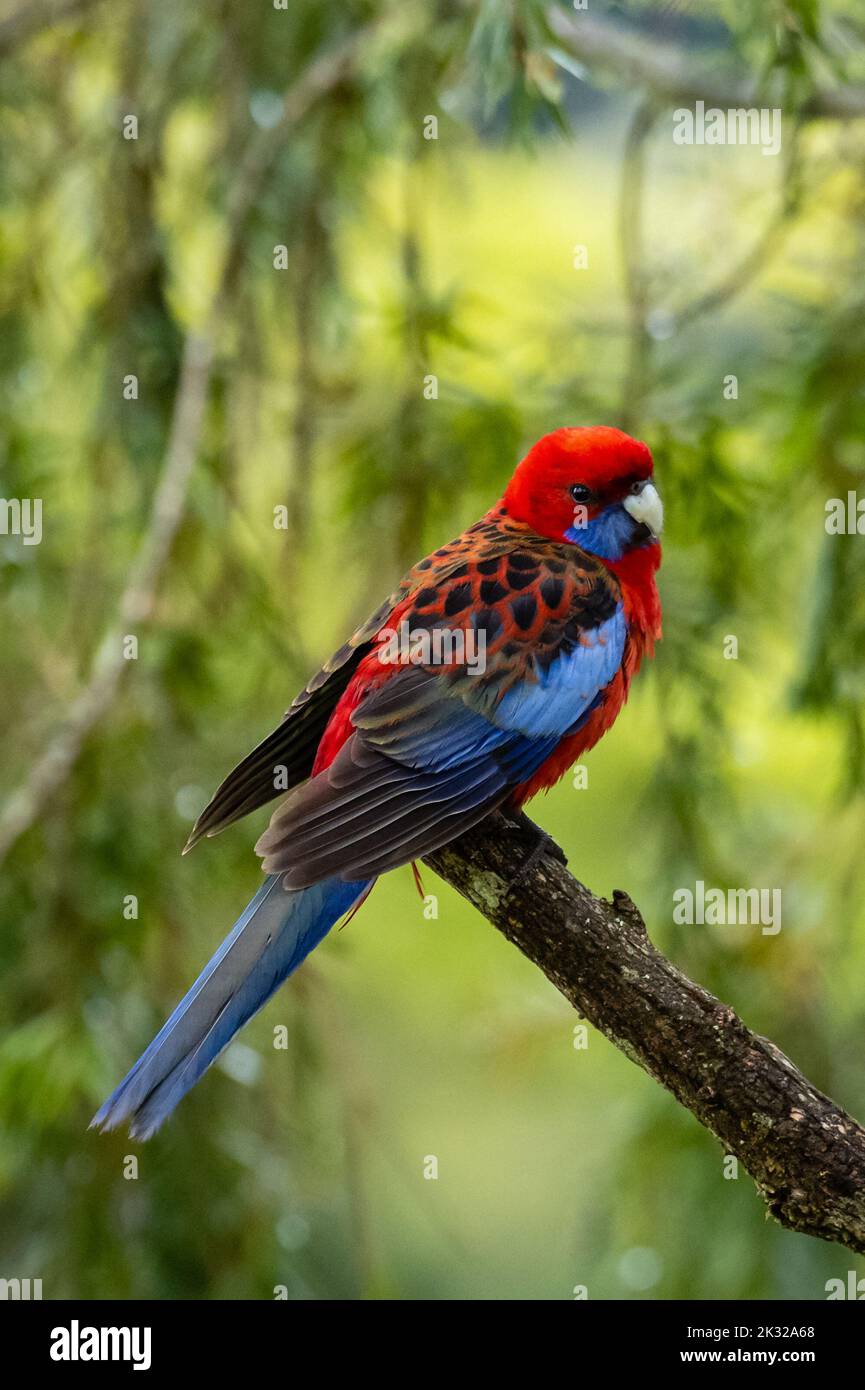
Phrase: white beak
(646, 506)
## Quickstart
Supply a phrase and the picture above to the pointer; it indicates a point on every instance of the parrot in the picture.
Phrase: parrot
(385, 758)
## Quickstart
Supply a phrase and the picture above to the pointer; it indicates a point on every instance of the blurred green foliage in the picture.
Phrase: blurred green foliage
(408, 1037)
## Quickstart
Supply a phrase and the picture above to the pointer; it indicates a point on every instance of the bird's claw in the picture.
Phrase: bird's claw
(544, 845)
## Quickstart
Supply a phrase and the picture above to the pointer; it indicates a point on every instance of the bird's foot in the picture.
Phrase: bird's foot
(544, 845)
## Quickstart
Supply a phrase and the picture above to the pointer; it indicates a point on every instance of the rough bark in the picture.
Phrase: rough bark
(806, 1154)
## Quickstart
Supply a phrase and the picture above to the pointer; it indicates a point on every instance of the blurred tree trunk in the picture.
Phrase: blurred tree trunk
(412, 466)
(307, 290)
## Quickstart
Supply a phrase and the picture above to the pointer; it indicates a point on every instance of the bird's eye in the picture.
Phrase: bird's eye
(580, 492)
(638, 486)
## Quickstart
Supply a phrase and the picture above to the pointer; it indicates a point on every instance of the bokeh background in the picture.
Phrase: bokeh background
(301, 385)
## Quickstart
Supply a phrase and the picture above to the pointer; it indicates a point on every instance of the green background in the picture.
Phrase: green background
(409, 1037)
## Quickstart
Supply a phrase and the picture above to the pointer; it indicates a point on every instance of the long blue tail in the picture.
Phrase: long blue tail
(272, 936)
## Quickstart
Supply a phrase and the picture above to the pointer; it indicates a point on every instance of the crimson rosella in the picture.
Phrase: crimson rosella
(389, 757)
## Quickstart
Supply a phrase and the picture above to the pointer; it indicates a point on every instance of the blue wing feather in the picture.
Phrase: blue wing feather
(567, 689)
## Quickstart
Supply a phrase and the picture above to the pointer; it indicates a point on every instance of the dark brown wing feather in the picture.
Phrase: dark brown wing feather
(291, 747)
(374, 809)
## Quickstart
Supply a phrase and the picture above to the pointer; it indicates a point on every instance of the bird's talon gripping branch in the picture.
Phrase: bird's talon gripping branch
(520, 822)
(544, 847)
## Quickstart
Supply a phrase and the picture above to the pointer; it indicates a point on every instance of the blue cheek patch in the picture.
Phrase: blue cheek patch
(608, 535)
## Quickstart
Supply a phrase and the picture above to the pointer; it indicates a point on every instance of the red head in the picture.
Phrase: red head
(592, 486)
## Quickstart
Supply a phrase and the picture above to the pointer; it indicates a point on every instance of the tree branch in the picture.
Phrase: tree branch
(51, 769)
(806, 1155)
(675, 75)
(754, 260)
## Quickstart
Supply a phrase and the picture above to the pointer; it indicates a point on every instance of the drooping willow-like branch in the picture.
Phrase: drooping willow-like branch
(135, 606)
(805, 1154)
(674, 74)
